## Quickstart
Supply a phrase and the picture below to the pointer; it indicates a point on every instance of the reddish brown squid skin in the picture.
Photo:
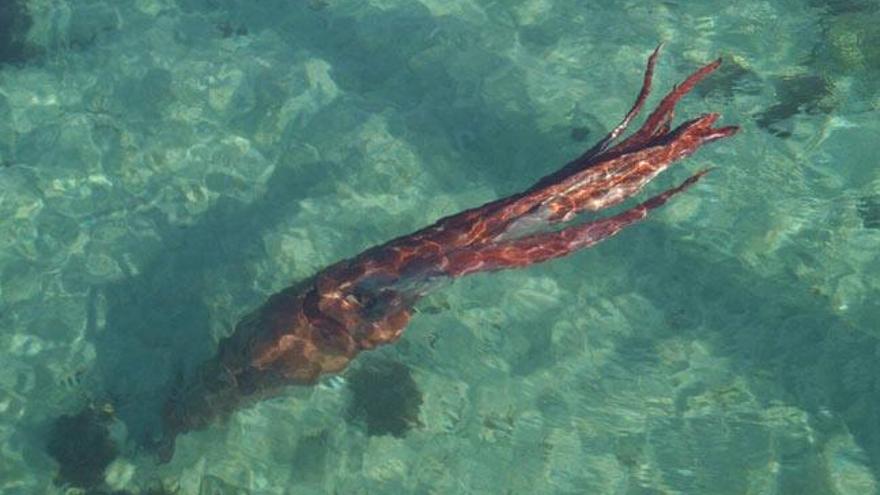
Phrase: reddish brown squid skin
(318, 326)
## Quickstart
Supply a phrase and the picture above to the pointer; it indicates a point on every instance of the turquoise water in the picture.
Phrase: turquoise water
(168, 164)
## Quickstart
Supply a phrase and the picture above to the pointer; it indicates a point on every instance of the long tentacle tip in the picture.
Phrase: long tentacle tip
(658, 49)
(699, 175)
(690, 181)
(715, 63)
(662, 198)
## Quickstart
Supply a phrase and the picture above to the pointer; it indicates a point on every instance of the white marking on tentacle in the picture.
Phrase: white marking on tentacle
(525, 225)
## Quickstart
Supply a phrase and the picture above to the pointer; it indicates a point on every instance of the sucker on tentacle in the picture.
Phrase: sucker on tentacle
(319, 325)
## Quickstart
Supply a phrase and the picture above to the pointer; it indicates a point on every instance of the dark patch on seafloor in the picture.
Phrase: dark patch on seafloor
(846, 51)
(228, 29)
(384, 397)
(839, 7)
(15, 21)
(806, 93)
(310, 458)
(730, 79)
(869, 211)
(580, 134)
(82, 446)
(809, 93)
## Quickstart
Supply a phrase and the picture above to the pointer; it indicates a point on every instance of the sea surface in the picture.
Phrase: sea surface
(166, 165)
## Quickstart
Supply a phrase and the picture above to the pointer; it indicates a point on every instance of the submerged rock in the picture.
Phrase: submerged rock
(83, 447)
(15, 21)
(385, 398)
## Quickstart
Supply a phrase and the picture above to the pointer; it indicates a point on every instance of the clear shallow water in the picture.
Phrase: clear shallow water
(169, 164)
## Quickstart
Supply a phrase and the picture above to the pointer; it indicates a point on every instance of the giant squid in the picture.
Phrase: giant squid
(318, 326)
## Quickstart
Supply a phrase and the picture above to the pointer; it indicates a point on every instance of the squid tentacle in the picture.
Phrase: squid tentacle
(613, 182)
(662, 115)
(602, 145)
(545, 246)
(572, 189)
(523, 213)
(600, 178)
